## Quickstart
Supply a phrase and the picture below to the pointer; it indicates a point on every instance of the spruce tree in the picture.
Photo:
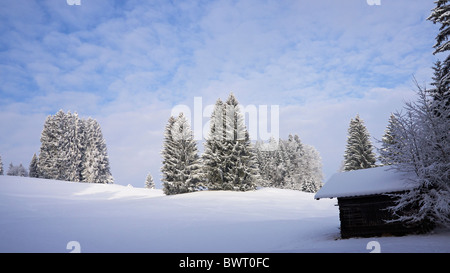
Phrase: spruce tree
(359, 150)
(441, 79)
(34, 167)
(73, 149)
(388, 140)
(52, 143)
(440, 93)
(168, 156)
(188, 171)
(149, 183)
(441, 15)
(96, 162)
(312, 170)
(1, 166)
(213, 164)
(181, 163)
(229, 158)
(241, 171)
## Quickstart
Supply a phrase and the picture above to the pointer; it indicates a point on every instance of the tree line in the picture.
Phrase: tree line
(230, 161)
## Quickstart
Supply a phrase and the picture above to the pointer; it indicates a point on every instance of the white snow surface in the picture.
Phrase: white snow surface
(38, 215)
(365, 182)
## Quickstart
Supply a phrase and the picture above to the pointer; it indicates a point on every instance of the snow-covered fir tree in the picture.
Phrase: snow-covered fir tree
(388, 140)
(52, 142)
(229, 158)
(181, 168)
(168, 156)
(440, 93)
(312, 175)
(359, 150)
(33, 169)
(422, 147)
(73, 149)
(213, 164)
(292, 165)
(266, 159)
(95, 166)
(241, 171)
(149, 183)
(295, 163)
(17, 170)
(1, 166)
(441, 15)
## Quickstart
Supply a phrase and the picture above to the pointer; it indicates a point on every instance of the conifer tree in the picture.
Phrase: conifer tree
(96, 162)
(312, 170)
(240, 172)
(213, 164)
(33, 172)
(359, 152)
(149, 183)
(181, 163)
(1, 166)
(168, 155)
(441, 15)
(51, 157)
(229, 158)
(73, 149)
(388, 140)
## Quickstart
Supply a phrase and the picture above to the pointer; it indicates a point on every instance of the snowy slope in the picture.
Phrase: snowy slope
(38, 215)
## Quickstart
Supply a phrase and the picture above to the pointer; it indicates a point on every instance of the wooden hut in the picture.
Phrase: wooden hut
(363, 201)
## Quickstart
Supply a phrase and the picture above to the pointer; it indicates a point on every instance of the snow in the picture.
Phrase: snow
(364, 182)
(38, 215)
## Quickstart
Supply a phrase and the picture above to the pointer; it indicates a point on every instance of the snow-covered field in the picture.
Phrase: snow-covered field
(38, 215)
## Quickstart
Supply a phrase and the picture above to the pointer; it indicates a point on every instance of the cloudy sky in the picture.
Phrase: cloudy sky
(129, 63)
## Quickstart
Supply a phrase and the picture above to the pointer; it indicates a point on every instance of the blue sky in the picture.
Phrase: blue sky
(128, 63)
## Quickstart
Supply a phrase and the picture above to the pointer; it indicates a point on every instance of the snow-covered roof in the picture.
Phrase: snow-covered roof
(364, 182)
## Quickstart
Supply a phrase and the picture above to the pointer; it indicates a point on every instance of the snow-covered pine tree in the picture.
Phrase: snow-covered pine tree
(441, 15)
(441, 91)
(71, 151)
(388, 140)
(241, 171)
(312, 170)
(21, 171)
(96, 162)
(266, 161)
(51, 157)
(295, 167)
(64, 153)
(33, 172)
(359, 150)
(17, 170)
(189, 168)
(149, 183)
(168, 167)
(181, 163)
(292, 165)
(423, 148)
(213, 163)
(81, 141)
(1, 166)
